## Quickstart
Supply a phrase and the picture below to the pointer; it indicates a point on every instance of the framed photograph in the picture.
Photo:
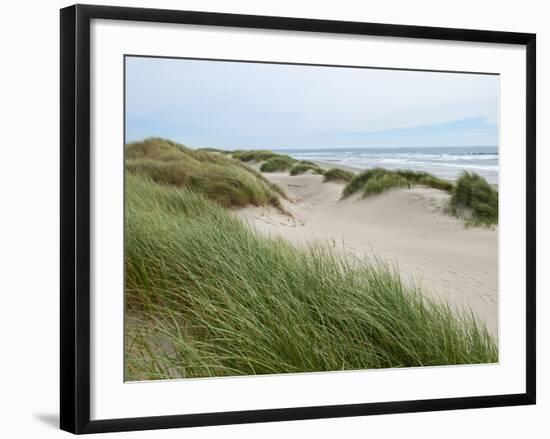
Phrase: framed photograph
(274, 218)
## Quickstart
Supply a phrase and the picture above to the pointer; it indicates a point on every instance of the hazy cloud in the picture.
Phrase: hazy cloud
(250, 105)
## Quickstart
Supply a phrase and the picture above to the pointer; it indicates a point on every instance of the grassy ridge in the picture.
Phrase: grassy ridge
(257, 155)
(305, 166)
(378, 180)
(206, 296)
(472, 198)
(337, 174)
(277, 164)
(217, 176)
(221, 151)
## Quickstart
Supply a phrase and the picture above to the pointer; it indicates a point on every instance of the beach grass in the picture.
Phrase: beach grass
(279, 163)
(337, 174)
(378, 180)
(217, 176)
(207, 296)
(220, 151)
(304, 166)
(256, 155)
(474, 198)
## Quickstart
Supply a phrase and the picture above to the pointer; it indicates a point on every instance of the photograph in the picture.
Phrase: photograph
(288, 218)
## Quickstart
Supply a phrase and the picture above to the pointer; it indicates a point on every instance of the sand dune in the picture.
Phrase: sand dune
(408, 228)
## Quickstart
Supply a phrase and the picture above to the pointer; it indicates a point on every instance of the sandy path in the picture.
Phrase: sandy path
(408, 228)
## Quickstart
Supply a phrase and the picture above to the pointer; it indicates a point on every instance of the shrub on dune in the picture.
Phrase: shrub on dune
(378, 180)
(384, 183)
(337, 174)
(473, 195)
(277, 164)
(358, 181)
(436, 183)
(258, 155)
(221, 151)
(304, 166)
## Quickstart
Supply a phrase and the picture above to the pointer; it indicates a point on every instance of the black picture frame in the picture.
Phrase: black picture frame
(75, 217)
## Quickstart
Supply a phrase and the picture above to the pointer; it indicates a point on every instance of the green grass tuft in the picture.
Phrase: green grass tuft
(383, 183)
(476, 198)
(378, 180)
(337, 174)
(217, 176)
(304, 166)
(206, 296)
(277, 164)
(221, 151)
(258, 155)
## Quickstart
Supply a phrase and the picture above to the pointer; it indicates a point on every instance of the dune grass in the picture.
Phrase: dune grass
(473, 199)
(378, 180)
(206, 296)
(217, 176)
(277, 164)
(337, 174)
(221, 151)
(476, 199)
(304, 166)
(256, 155)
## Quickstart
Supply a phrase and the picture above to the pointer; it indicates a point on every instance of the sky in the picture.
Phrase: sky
(239, 105)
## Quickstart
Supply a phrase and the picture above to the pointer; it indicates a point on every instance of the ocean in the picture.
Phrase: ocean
(444, 162)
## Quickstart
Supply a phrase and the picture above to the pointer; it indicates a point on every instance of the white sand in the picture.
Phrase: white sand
(407, 228)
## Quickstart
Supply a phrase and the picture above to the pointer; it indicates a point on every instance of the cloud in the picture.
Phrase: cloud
(248, 105)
